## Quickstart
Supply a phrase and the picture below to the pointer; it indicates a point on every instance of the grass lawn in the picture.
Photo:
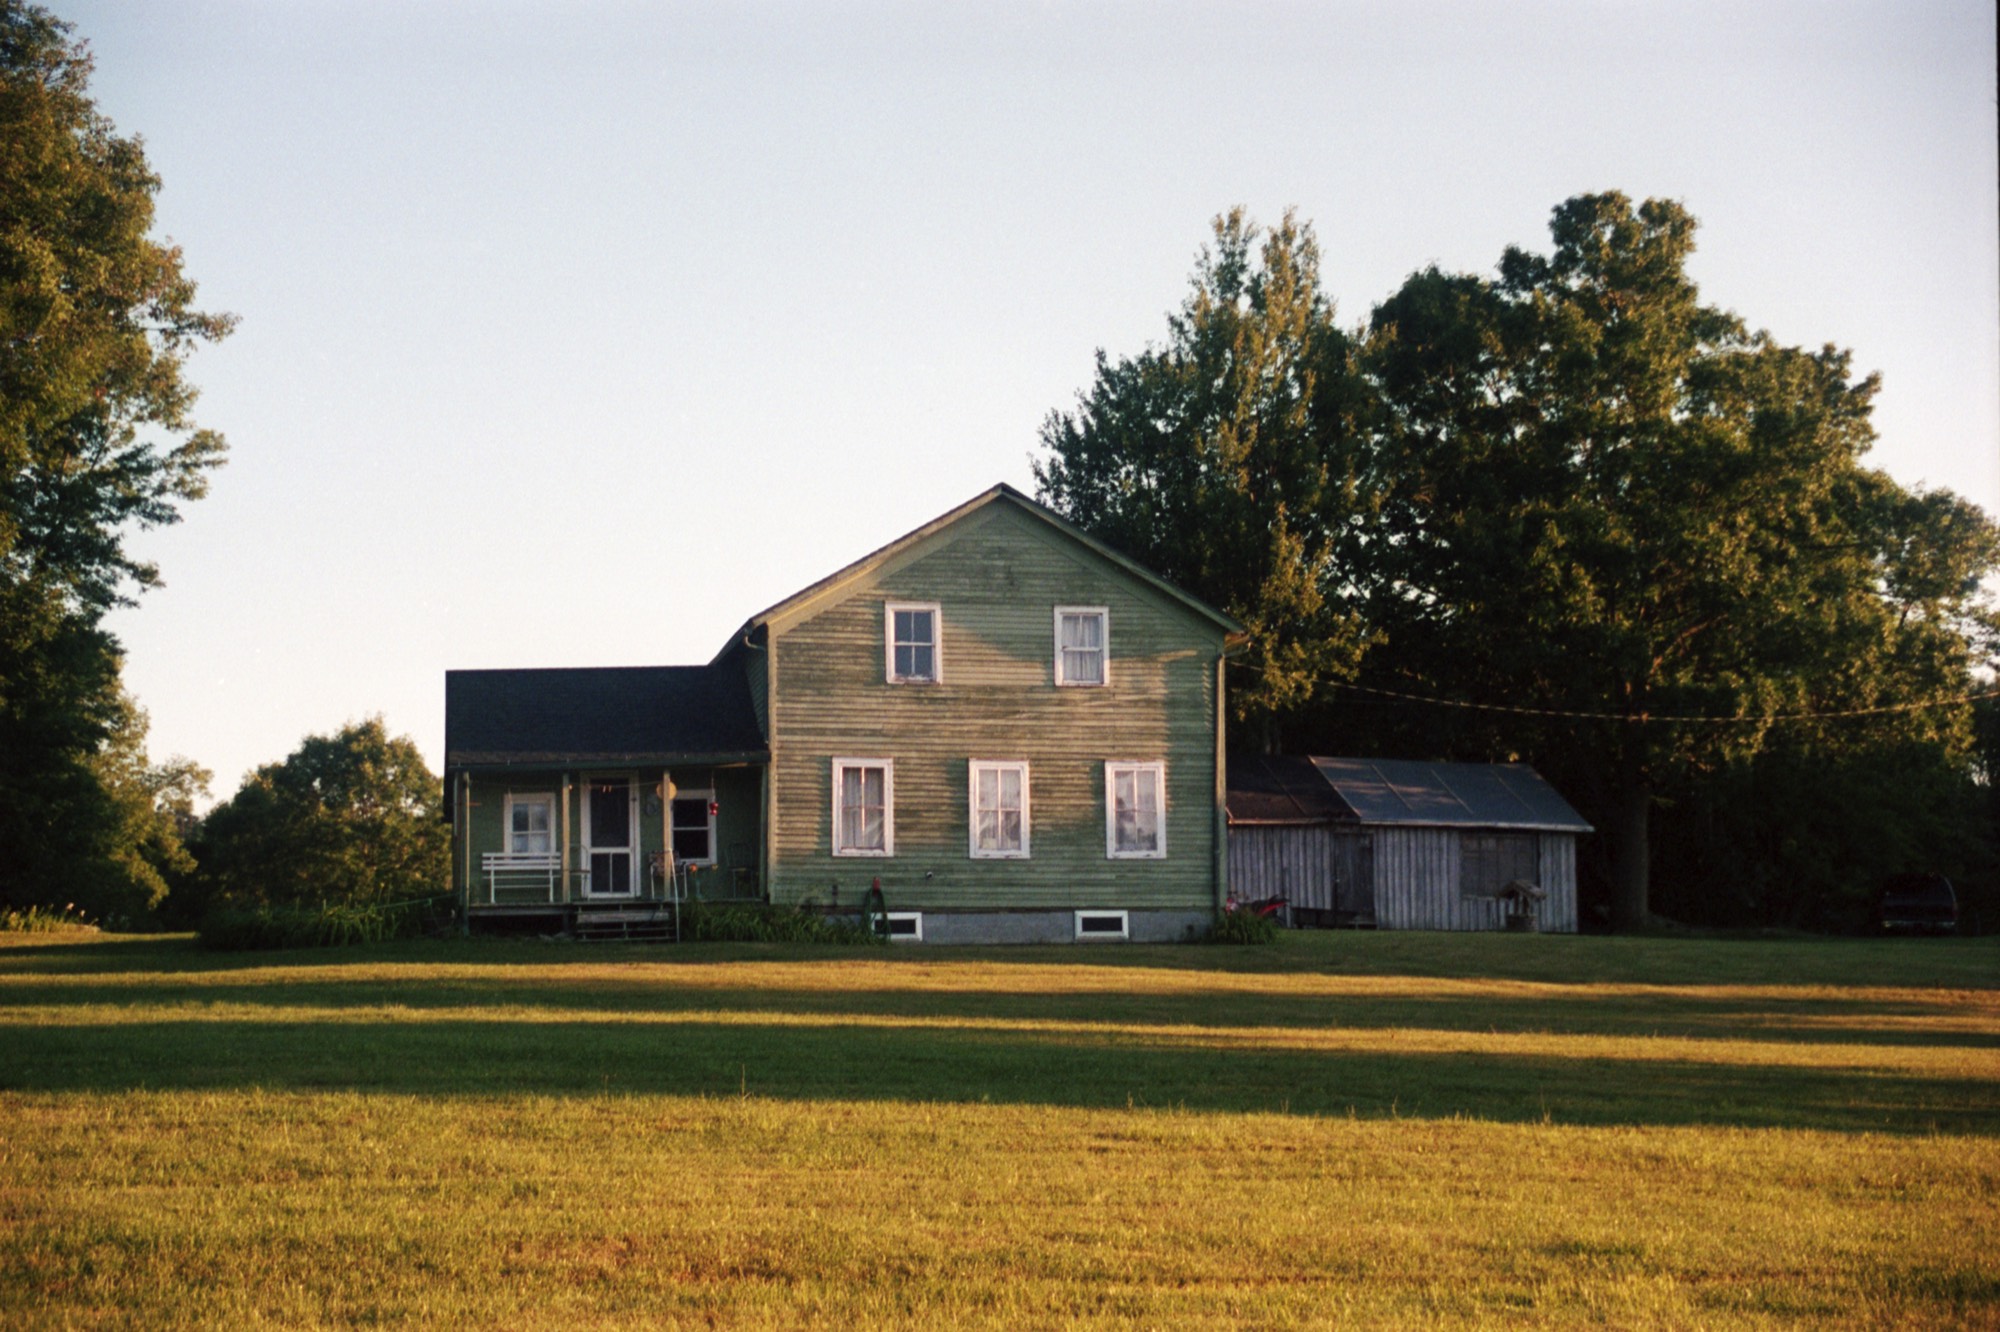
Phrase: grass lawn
(1405, 1130)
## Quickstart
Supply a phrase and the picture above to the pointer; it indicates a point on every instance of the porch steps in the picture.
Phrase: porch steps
(650, 924)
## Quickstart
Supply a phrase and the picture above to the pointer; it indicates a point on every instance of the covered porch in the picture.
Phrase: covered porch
(564, 817)
(540, 838)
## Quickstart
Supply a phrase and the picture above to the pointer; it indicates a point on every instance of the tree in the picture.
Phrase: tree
(1223, 460)
(354, 817)
(153, 806)
(96, 440)
(1601, 496)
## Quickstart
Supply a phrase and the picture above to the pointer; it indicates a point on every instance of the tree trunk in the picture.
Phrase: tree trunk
(1631, 853)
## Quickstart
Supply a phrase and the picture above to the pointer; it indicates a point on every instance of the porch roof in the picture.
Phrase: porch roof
(599, 716)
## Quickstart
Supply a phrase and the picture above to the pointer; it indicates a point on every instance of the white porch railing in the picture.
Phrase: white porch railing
(518, 876)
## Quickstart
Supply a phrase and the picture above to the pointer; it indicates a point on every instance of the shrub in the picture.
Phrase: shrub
(704, 922)
(1241, 927)
(238, 928)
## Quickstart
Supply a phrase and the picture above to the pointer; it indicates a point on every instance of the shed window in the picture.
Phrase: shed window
(694, 828)
(911, 648)
(998, 800)
(1083, 645)
(530, 819)
(1135, 821)
(1488, 862)
(864, 807)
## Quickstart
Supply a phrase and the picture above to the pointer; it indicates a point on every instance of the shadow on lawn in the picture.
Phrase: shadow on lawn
(583, 1057)
(1808, 1018)
(1672, 961)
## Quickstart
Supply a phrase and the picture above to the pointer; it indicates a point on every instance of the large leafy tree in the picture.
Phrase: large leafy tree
(96, 440)
(353, 817)
(1602, 497)
(1223, 459)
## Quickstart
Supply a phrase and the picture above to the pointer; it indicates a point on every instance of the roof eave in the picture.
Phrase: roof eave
(482, 762)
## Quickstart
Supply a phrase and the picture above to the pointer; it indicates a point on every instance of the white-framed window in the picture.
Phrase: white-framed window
(1083, 645)
(531, 819)
(997, 802)
(911, 650)
(1135, 811)
(1103, 925)
(904, 926)
(864, 807)
(694, 827)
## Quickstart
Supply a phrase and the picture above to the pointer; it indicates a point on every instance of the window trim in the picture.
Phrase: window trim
(973, 768)
(1103, 614)
(707, 798)
(1082, 935)
(547, 798)
(916, 918)
(936, 611)
(838, 768)
(1112, 769)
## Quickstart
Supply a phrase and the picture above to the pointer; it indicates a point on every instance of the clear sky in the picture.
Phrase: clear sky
(574, 333)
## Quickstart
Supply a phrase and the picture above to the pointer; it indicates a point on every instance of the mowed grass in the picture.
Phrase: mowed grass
(1400, 1130)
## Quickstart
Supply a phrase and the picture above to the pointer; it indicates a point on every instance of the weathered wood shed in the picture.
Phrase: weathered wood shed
(1399, 844)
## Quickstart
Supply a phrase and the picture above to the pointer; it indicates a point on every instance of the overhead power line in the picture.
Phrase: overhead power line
(1667, 719)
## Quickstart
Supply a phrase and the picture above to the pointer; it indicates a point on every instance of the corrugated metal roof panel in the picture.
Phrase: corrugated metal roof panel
(1280, 790)
(1476, 795)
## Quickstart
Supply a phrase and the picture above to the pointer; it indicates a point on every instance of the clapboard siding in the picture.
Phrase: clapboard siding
(997, 576)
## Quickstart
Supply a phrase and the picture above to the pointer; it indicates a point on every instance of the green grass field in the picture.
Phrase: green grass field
(1399, 1130)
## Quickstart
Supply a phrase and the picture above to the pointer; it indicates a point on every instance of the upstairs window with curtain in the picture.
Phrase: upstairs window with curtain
(1083, 646)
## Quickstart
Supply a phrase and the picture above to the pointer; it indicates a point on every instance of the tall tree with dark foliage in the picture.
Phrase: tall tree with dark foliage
(96, 440)
(1600, 495)
(1224, 460)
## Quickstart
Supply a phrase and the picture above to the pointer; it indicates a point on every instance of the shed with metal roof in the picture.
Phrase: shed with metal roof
(1403, 844)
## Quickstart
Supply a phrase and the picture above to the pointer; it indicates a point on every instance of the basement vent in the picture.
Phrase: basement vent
(1102, 925)
(905, 926)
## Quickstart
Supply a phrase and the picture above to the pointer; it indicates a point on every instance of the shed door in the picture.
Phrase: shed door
(1354, 874)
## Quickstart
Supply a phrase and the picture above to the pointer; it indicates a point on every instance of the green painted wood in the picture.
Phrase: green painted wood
(997, 575)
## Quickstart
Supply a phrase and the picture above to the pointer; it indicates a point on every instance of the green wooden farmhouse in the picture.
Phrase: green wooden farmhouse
(1014, 729)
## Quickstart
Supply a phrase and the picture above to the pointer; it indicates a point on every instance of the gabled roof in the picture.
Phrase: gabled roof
(606, 715)
(1000, 494)
(1404, 792)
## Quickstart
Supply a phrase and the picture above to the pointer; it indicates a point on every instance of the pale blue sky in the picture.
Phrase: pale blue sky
(574, 333)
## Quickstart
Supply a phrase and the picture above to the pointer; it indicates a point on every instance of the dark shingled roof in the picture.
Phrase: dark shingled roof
(1397, 791)
(612, 714)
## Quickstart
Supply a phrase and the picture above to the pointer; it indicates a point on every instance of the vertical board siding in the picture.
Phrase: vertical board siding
(1416, 883)
(1293, 863)
(997, 577)
(1410, 877)
(1316, 867)
(1558, 915)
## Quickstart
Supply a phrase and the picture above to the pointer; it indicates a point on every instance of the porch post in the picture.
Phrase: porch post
(564, 870)
(667, 829)
(464, 831)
